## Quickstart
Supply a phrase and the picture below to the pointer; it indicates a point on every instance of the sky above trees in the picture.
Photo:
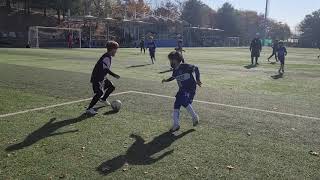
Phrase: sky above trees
(291, 12)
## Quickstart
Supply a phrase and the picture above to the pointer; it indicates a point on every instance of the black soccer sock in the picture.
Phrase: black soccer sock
(94, 101)
(108, 92)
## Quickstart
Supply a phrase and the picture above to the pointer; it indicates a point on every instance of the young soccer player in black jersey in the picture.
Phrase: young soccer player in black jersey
(103, 87)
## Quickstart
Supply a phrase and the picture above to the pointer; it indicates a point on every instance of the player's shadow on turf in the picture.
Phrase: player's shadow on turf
(277, 76)
(110, 112)
(140, 65)
(166, 71)
(140, 153)
(47, 130)
(250, 66)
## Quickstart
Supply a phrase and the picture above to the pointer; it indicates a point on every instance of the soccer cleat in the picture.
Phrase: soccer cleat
(174, 129)
(195, 121)
(106, 102)
(91, 112)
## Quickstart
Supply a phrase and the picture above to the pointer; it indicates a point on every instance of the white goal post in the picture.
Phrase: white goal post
(54, 37)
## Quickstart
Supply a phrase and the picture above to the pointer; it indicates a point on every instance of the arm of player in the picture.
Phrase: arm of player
(168, 80)
(285, 51)
(197, 72)
(260, 45)
(112, 74)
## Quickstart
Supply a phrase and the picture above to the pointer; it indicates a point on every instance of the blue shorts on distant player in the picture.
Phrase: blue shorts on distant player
(183, 98)
(152, 53)
(281, 59)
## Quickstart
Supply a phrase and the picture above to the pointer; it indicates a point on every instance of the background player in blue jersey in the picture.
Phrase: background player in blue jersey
(179, 47)
(102, 87)
(152, 49)
(275, 47)
(183, 73)
(282, 52)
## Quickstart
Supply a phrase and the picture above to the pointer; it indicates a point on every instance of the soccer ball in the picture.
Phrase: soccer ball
(116, 105)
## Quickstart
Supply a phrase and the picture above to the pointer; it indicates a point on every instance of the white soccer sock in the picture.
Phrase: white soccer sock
(176, 117)
(191, 111)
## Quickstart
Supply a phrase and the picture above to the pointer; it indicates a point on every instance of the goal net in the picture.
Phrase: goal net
(54, 37)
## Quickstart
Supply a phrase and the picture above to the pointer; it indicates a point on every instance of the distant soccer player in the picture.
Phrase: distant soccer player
(255, 49)
(102, 87)
(275, 46)
(282, 52)
(183, 73)
(179, 47)
(152, 49)
(142, 46)
(70, 39)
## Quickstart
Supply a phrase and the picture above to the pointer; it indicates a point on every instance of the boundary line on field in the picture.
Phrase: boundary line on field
(231, 106)
(163, 96)
(56, 105)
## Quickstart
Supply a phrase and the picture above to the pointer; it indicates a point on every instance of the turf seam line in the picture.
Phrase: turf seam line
(232, 106)
(56, 105)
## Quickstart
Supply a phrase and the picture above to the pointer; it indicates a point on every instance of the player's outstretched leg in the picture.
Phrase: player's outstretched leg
(109, 87)
(176, 120)
(154, 56)
(194, 115)
(270, 57)
(98, 93)
(252, 60)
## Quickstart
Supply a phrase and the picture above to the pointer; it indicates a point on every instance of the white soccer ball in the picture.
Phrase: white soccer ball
(116, 105)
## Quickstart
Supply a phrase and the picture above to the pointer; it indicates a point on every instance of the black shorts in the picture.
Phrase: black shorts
(281, 59)
(100, 87)
(255, 53)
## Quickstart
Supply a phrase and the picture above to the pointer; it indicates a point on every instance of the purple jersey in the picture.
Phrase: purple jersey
(184, 76)
(282, 52)
(152, 46)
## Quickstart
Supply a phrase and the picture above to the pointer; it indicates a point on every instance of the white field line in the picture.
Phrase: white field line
(232, 106)
(164, 96)
(56, 105)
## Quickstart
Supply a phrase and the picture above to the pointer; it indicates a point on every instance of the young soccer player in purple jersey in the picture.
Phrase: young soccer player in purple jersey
(103, 87)
(152, 49)
(187, 83)
(282, 52)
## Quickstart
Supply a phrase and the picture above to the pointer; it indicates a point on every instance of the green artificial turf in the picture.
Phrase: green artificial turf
(61, 143)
